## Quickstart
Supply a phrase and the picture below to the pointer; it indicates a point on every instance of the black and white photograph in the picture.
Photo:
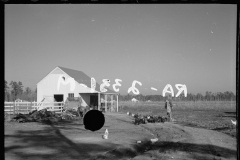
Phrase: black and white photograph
(120, 81)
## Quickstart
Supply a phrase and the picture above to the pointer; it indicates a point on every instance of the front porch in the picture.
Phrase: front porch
(106, 102)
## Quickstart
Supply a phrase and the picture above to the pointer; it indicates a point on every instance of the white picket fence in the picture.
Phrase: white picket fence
(26, 107)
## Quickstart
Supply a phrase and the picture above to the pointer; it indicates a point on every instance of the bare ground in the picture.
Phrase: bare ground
(71, 141)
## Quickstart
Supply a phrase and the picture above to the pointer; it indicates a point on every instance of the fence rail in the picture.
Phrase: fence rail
(26, 107)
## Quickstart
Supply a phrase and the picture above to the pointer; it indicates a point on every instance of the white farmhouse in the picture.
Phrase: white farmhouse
(63, 83)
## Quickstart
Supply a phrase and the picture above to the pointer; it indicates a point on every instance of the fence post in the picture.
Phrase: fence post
(31, 105)
(9, 112)
(13, 108)
(62, 106)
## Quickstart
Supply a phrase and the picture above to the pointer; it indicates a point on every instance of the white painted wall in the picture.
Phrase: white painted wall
(48, 87)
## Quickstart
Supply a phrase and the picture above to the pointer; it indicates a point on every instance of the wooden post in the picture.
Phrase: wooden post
(99, 101)
(31, 105)
(111, 103)
(14, 108)
(62, 106)
(117, 102)
(105, 103)
(9, 112)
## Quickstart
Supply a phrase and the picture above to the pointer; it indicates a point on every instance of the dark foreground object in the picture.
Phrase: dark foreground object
(93, 120)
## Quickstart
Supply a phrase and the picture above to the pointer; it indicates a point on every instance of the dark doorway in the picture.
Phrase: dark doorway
(58, 98)
(94, 101)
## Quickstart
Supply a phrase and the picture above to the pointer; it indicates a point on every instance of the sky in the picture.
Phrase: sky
(155, 44)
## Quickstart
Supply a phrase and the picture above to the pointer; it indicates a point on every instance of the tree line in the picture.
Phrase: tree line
(209, 96)
(15, 90)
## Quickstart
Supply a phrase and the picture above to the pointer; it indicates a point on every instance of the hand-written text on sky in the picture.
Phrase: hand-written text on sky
(106, 83)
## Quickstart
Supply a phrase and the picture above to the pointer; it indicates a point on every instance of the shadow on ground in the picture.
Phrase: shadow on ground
(51, 143)
(195, 151)
(204, 150)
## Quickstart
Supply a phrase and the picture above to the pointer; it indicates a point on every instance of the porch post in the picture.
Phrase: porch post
(117, 102)
(105, 103)
(99, 101)
(111, 103)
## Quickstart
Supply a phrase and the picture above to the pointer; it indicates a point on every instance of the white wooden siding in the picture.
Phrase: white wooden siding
(48, 86)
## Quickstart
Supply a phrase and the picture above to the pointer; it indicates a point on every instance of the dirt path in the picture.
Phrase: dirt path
(72, 141)
(190, 143)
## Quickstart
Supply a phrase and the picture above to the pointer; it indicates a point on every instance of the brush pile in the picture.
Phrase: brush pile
(69, 114)
(143, 119)
(45, 116)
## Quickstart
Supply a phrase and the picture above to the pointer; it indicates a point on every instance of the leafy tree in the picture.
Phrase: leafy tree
(128, 97)
(28, 95)
(6, 94)
(218, 98)
(232, 96)
(17, 89)
(213, 96)
(206, 95)
(198, 96)
(209, 96)
(28, 91)
(6, 86)
(223, 96)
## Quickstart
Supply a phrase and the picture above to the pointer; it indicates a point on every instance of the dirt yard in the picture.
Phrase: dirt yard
(71, 141)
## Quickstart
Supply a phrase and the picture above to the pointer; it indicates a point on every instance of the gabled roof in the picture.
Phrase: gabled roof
(78, 76)
(82, 78)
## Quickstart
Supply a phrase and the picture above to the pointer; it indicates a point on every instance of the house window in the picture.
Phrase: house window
(71, 96)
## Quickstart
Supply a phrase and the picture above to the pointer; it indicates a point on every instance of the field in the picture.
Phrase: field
(201, 131)
(214, 115)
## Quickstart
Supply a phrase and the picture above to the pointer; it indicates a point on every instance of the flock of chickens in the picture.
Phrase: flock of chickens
(143, 119)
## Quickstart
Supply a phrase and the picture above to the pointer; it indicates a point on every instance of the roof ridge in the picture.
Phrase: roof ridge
(74, 74)
(70, 69)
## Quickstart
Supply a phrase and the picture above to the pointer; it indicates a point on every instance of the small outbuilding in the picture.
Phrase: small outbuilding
(134, 100)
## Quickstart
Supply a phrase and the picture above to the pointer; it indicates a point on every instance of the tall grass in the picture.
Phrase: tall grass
(213, 105)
